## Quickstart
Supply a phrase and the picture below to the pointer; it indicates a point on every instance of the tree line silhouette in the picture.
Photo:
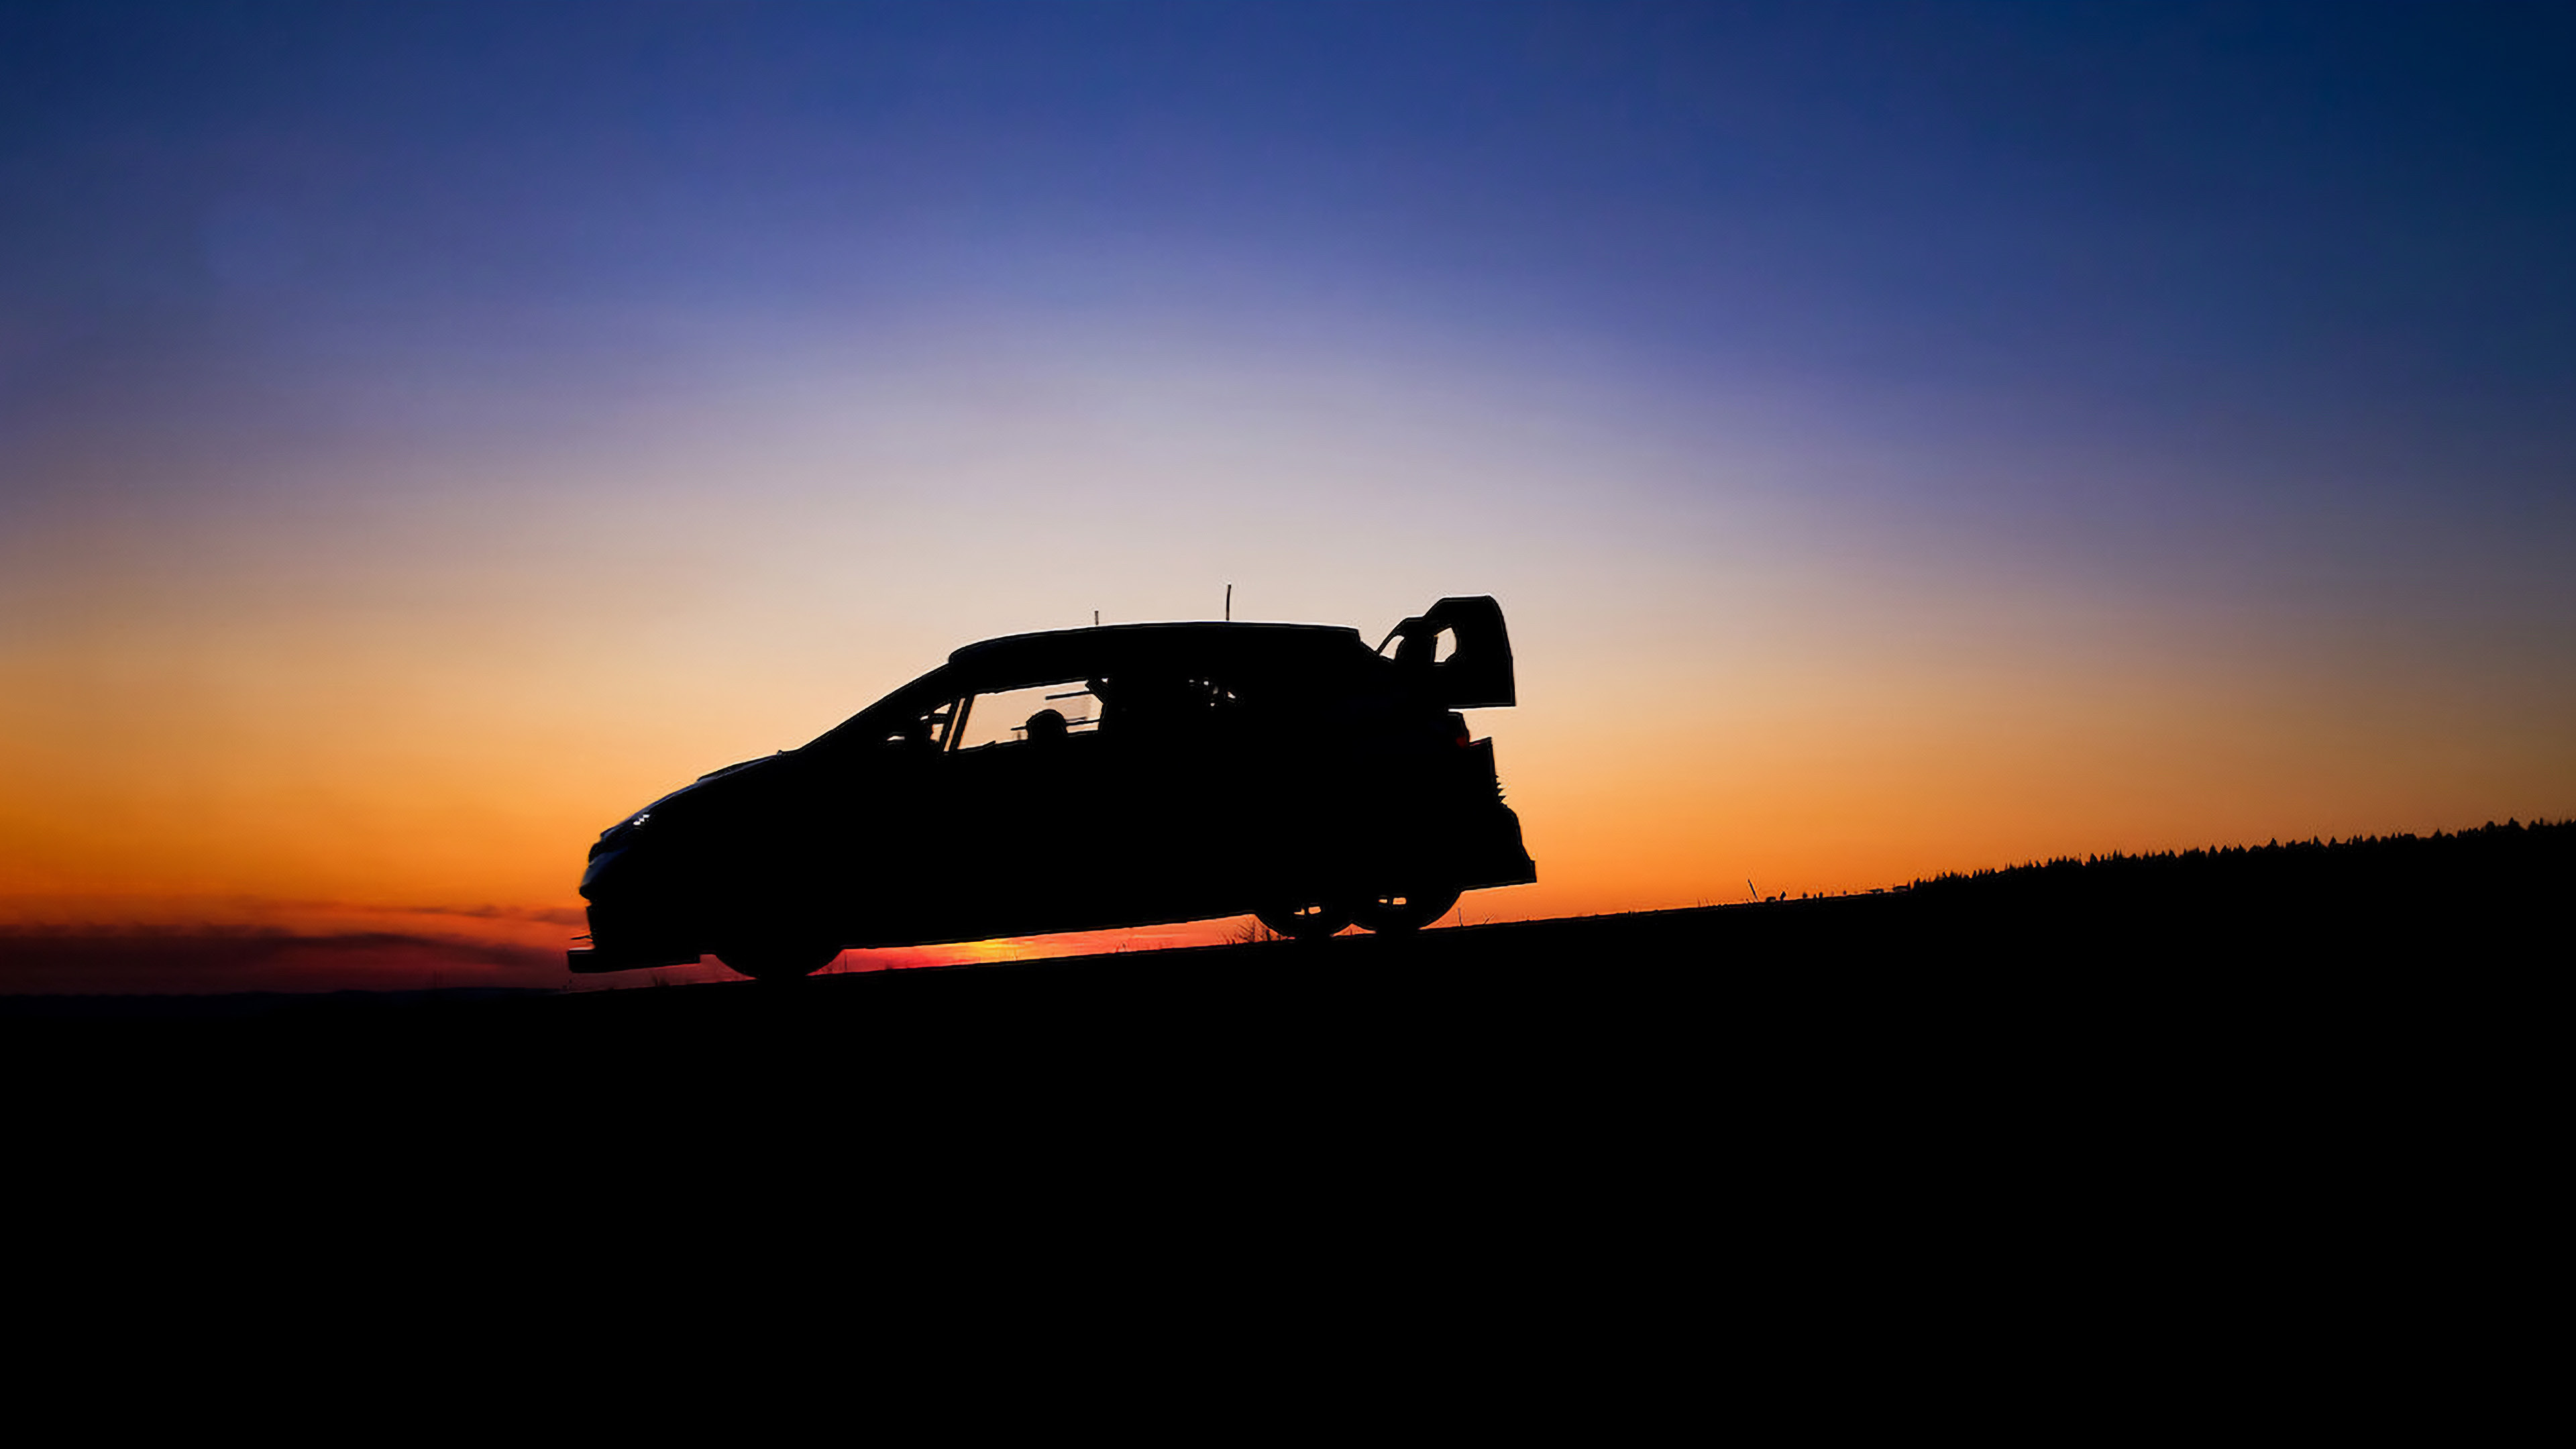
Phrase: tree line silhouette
(2496, 888)
(2490, 854)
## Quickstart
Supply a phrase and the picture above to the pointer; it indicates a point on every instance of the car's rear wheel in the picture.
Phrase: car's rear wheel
(778, 960)
(1409, 912)
(1311, 922)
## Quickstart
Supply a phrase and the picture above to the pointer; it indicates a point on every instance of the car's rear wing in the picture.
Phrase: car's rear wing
(1478, 672)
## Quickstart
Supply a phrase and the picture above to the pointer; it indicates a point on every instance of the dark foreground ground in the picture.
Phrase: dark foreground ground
(2134, 976)
(2225, 1106)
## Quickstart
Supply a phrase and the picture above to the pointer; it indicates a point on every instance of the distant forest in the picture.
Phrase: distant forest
(2497, 890)
(2489, 855)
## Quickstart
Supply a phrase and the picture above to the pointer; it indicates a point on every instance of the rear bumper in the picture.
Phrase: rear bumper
(1498, 858)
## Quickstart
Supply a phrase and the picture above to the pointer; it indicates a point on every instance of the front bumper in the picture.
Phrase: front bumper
(592, 960)
(633, 928)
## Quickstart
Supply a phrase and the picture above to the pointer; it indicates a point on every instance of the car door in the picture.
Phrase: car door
(1021, 800)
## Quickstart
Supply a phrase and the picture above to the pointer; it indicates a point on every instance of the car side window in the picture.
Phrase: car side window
(1038, 714)
(1148, 703)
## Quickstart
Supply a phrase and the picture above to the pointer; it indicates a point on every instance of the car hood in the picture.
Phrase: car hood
(711, 785)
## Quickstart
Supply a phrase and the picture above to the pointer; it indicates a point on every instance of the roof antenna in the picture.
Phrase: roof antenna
(1229, 603)
(1095, 618)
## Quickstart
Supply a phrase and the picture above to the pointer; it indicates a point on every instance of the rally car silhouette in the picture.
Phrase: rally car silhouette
(1087, 779)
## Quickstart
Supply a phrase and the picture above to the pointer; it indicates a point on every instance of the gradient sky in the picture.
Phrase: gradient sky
(1904, 438)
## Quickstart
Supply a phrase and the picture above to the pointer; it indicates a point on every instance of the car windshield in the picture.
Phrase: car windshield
(917, 713)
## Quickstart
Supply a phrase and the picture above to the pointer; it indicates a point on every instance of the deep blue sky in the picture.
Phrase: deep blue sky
(2230, 216)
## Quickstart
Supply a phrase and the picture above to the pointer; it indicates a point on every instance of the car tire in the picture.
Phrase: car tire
(1409, 912)
(778, 960)
(1305, 923)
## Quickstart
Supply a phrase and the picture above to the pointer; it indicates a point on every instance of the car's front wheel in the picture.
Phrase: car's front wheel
(1403, 912)
(774, 960)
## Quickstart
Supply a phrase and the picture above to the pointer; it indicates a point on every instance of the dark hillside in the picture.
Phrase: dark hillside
(2174, 1071)
(2208, 941)
(2402, 899)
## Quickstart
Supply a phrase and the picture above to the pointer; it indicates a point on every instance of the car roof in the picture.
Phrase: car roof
(1283, 651)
